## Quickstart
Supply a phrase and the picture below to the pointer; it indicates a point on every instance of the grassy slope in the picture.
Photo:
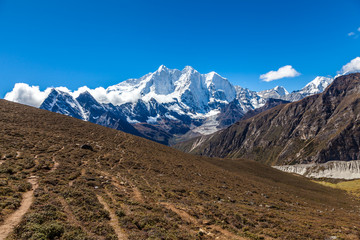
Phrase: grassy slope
(155, 191)
(352, 187)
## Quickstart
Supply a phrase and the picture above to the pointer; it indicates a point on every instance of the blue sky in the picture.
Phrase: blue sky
(101, 43)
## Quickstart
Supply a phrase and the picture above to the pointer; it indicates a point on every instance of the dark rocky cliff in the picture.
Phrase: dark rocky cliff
(318, 128)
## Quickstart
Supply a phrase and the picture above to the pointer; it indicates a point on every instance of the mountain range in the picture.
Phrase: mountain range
(170, 105)
(319, 128)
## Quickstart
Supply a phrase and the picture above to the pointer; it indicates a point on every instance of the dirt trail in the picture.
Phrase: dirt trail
(113, 220)
(122, 205)
(115, 182)
(182, 214)
(14, 219)
(71, 183)
(137, 194)
(69, 213)
(210, 229)
(56, 165)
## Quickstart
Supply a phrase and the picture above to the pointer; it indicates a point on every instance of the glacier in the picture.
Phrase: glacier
(333, 169)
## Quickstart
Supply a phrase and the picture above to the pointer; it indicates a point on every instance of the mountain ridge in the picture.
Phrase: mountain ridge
(318, 128)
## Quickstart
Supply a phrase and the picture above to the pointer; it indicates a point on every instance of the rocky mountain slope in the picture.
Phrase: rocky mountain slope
(319, 128)
(86, 108)
(63, 178)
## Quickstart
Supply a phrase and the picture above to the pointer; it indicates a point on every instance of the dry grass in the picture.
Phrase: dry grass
(156, 192)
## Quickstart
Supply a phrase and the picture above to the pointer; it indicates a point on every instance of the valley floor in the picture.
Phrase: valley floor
(351, 186)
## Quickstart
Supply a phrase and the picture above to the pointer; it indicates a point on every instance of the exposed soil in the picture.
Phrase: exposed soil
(55, 166)
(14, 219)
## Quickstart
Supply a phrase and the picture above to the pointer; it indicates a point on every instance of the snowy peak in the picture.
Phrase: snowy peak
(317, 85)
(85, 99)
(281, 90)
(64, 103)
(249, 100)
(220, 88)
(188, 69)
(277, 92)
(162, 68)
(194, 90)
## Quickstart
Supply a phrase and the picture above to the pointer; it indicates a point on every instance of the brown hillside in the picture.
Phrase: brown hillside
(318, 128)
(85, 181)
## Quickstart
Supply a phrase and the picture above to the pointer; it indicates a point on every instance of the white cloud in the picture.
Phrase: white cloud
(32, 96)
(63, 89)
(283, 72)
(351, 67)
(354, 34)
(29, 95)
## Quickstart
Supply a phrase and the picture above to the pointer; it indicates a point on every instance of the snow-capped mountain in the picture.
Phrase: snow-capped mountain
(277, 93)
(170, 103)
(171, 100)
(64, 103)
(86, 108)
(188, 89)
(316, 86)
(248, 99)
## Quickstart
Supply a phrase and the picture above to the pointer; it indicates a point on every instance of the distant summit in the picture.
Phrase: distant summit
(316, 86)
(277, 93)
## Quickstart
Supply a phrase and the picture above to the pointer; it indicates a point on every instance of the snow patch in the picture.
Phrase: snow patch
(131, 121)
(153, 119)
(210, 125)
(171, 117)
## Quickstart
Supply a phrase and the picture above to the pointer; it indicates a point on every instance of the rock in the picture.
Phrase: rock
(331, 238)
(87, 147)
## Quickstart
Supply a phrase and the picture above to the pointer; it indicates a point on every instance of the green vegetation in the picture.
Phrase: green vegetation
(351, 186)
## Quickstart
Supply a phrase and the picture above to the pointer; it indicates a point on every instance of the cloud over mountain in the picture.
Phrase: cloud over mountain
(33, 96)
(351, 67)
(29, 95)
(283, 72)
